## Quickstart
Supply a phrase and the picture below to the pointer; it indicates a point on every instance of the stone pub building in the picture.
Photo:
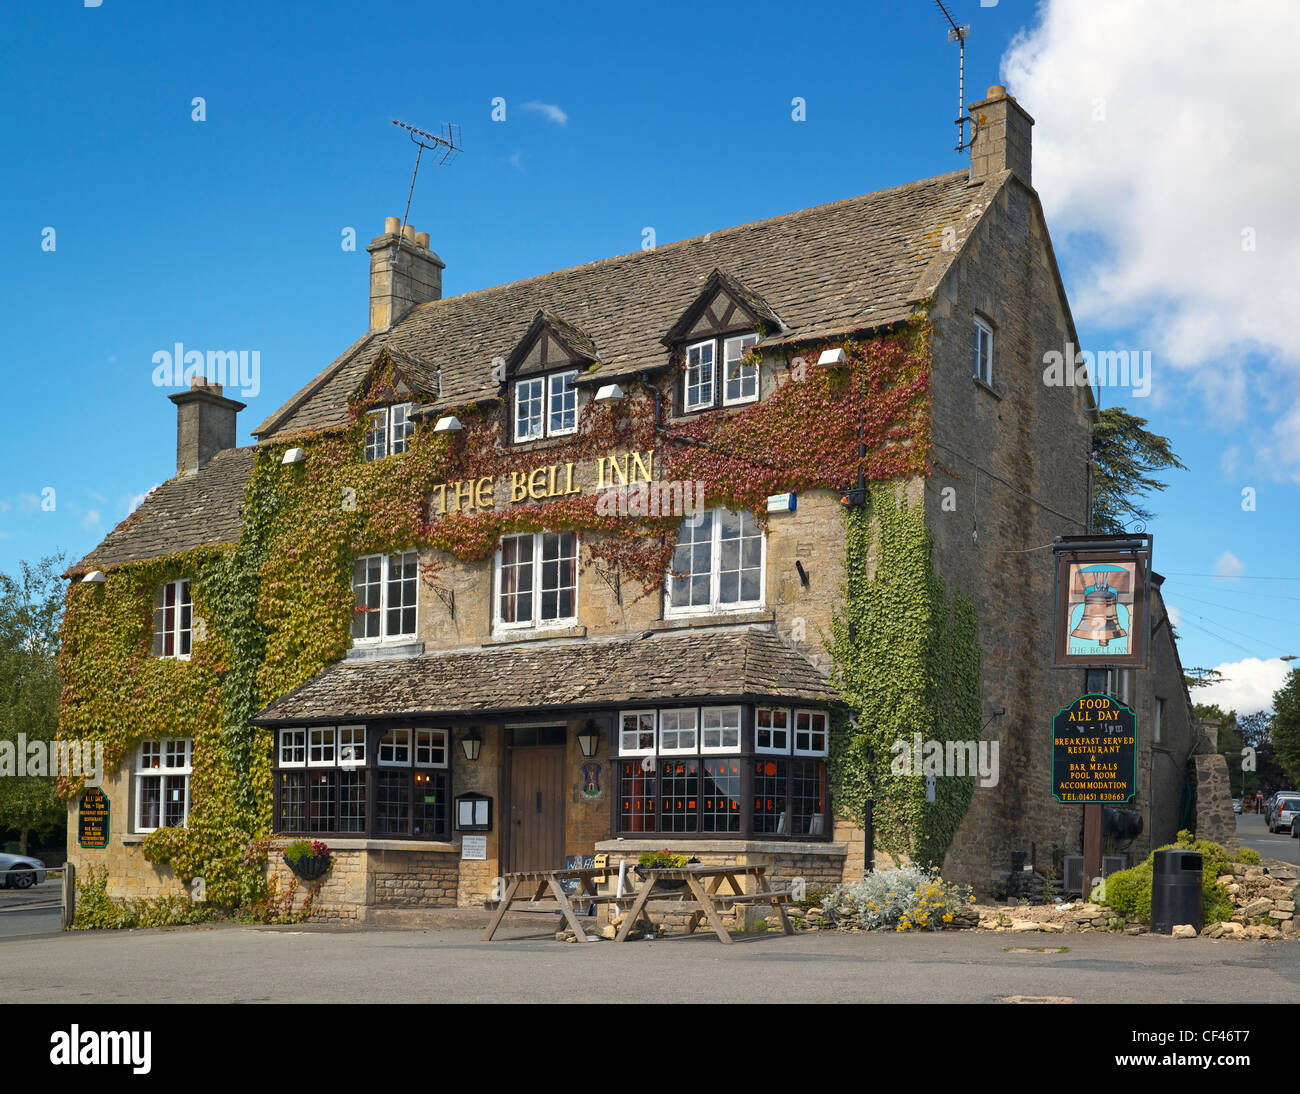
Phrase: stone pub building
(556, 568)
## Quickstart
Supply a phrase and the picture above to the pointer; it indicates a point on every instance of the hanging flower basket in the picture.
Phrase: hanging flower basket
(308, 861)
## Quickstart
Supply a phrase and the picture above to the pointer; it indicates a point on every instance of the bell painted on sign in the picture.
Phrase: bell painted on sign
(1100, 620)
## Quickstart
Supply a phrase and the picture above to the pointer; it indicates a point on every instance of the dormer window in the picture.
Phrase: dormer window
(718, 375)
(387, 430)
(546, 406)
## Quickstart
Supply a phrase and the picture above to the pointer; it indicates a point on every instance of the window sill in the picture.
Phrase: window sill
(986, 387)
(792, 846)
(714, 619)
(279, 843)
(533, 634)
(385, 651)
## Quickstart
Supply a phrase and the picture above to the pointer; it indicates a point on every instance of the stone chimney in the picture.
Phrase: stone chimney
(403, 273)
(1002, 139)
(205, 424)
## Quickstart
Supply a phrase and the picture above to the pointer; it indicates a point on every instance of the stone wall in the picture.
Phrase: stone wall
(1215, 819)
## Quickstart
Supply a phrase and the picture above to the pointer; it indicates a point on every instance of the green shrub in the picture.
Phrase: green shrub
(298, 849)
(96, 910)
(1128, 892)
(1249, 856)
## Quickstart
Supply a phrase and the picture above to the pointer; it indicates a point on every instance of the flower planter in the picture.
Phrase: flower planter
(310, 867)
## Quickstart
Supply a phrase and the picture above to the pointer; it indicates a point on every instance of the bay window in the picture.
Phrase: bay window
(713, 770)
(717, 564)
(389, 782)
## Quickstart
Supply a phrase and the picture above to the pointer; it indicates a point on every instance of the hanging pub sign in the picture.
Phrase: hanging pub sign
(1094, 751)
(1101, 617)
(92, 819)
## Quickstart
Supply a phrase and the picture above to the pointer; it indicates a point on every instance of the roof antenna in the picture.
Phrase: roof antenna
(448, 148)
(959, 35)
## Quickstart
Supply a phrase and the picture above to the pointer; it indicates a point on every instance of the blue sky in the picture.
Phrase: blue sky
(226, 232)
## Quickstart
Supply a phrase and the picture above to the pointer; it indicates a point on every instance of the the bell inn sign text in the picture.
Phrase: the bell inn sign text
(554, 480)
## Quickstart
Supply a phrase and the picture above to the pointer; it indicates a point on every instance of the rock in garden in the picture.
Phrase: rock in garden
(1257, 907)
(1184, 930)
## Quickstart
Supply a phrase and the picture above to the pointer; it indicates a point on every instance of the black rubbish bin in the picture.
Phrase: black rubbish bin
(1176, 891)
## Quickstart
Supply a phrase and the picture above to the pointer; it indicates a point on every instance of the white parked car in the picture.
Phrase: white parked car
(21, 872)
(1285, 809)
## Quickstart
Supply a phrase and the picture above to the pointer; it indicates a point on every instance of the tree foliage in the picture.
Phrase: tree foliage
(31, 608)
(1125, 457)
(1285, 726)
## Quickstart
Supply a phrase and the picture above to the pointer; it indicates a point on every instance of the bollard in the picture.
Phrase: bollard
(68, 913)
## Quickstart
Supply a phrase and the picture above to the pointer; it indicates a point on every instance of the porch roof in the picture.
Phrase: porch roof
(734, 665)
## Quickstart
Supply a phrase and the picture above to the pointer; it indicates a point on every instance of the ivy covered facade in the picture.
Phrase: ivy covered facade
(665, 550)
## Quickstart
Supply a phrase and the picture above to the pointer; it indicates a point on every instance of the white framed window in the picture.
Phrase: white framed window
(562, 405)
(718, 563)
(546, 406)
(530, 397)
(395, 748)
(322, 742)
(982, 367)
(162, 784)
(172, 618)
(387, 430)
(772, 730)
(384, 590)
(740, 380)
(352, 746)
(537, 580)
(636, 733)
(293, 748)
(810, 736)
(699, 375)
(430, 748)
(678, 731)
(720, 729)
(1117, 684)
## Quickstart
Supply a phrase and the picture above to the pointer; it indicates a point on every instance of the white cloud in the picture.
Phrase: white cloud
(549, 111)
(1248, 685)
(1229, 565)
(1170, 134)
(90, 519)
(1175, 616)
(132, 503)
(516, 161)
(28, 503)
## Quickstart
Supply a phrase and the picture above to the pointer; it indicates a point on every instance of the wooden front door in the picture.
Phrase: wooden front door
(537, 808)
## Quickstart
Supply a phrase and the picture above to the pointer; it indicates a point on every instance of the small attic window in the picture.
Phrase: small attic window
(387, 430)
(546, 406)
(717, 374)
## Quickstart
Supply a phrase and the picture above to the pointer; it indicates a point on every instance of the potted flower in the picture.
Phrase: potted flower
(663, 860)
(308, 859)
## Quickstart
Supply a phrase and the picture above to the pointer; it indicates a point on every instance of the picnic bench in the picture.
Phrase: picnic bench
(707, 901)
(541, 882)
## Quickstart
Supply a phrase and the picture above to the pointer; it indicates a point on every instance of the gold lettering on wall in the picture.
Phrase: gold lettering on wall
(550, 481)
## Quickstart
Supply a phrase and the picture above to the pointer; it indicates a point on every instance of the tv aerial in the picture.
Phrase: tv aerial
(959, 35)
(446, 147)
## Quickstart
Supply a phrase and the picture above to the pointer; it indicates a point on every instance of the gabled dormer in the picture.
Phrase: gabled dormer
(540, 375)
(393, 387)
(713, 339)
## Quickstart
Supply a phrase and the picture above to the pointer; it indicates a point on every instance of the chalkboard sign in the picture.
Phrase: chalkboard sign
(576, 862)
(92, 819)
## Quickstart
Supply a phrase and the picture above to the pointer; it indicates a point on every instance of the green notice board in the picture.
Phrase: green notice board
(92, 818)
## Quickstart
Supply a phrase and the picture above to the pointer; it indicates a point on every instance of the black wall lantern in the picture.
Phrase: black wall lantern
(472, 743)
(589, 738)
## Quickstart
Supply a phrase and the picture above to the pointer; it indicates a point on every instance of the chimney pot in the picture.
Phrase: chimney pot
(422, 240)
(997, 91)
(408, 233)
(392, 225)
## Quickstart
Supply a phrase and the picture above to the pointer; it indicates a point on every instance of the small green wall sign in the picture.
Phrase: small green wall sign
(92, 819)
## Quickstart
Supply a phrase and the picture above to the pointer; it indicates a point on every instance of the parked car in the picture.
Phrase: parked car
(1236, 805)
(1284, 812)
(1295, 826)
(21, 872)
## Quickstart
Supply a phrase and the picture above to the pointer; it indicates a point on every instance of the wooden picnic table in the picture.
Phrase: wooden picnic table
(708, 901)
(518, 885)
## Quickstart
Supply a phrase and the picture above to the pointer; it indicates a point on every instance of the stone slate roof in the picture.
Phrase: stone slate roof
(656, 667)
(198, 510)
(853, 265)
